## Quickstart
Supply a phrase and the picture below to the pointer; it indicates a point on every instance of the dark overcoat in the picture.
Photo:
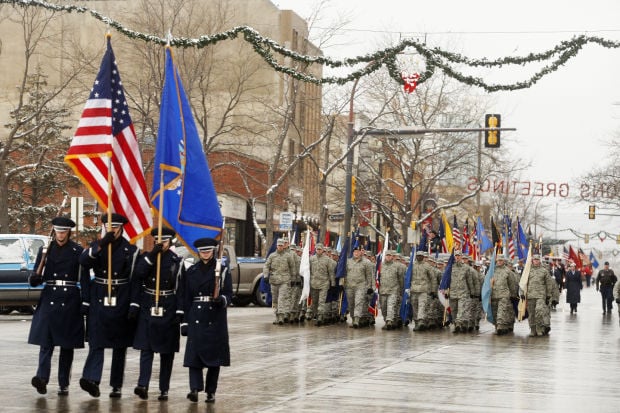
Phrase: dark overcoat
(207, 330)
(57, 320)
(573, 286)
(108, 326)
(159, 334)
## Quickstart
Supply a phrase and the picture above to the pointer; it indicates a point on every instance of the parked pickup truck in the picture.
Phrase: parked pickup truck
(246, 273)
(17, 255)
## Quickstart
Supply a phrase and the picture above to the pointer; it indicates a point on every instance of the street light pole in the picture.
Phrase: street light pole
(348, 208)
(479, 172)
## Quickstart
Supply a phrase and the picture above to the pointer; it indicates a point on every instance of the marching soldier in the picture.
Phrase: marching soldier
(205, 296)
(504, 290)
(478, 281)
(392, 280)
(462, 294)
(322, 277)
(435, 309)
(335, 291)
(57, 320)
(540, 289)
(296, 284)
(476, 303)
(158, 322)
(358, 286)
(107, 310)
(423, 287)
(280, 268)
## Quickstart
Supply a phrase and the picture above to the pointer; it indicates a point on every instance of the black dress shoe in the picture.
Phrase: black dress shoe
(210, 398)
(90, 387)
(142, 392)
(39, 384)
(163, 396)
(115, 393)
(63, 391)
(193, 396)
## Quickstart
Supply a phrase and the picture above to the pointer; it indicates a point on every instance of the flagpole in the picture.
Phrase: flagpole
(110, 229)
(160, 222)
(218, 265)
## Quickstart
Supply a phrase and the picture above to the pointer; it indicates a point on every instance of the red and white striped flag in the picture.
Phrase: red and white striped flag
(456, 234)
(105, 138)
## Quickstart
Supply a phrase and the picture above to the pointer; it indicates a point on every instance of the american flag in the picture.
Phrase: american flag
(475, 253)
(467, 248)
(511, 242)
(105, 137)
(456, 234)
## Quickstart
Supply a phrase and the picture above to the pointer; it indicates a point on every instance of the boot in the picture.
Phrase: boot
(532, 331)
(115, 393)
(141, 392)
(390, 325)
(356, 322)
(280, 319)
(39, 384)
(90, 386)
(193, 396)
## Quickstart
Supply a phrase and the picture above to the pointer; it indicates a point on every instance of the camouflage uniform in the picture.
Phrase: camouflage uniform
(322, 277)
(360, 280)
(462, 295)
(504, 289)
(540, 288)
(279, 268)
(423, 286)
(333, 308)
(479, 280)
(297, 282)
(392, 280)
(434, 309)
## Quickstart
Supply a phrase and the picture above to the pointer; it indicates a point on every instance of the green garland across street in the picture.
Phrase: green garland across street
(435, 58)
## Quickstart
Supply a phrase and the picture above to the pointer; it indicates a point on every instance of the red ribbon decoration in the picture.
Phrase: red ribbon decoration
(411, 81)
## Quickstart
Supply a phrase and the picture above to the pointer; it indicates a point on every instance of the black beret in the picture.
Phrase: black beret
(606, 263)
(166, 233)
(116, 219)
(205, 243)
(63, 223)
(358, 248)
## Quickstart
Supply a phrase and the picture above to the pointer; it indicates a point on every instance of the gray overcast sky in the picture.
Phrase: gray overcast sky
(561, 121)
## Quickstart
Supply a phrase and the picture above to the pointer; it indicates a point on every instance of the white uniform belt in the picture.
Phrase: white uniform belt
(114, 281)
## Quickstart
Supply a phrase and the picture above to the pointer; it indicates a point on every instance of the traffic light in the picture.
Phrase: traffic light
(491, 137)
(353, 189)
(592, 211)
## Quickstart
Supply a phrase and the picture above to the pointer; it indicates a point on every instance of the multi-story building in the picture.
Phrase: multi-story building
(253, 121)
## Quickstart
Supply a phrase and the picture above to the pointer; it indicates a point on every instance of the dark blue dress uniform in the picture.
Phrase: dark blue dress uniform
(108, 326)
(157, 334)
(57, 320)
(207, 326)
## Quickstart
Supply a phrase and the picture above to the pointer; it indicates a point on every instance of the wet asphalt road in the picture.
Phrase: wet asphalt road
(335, 368)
